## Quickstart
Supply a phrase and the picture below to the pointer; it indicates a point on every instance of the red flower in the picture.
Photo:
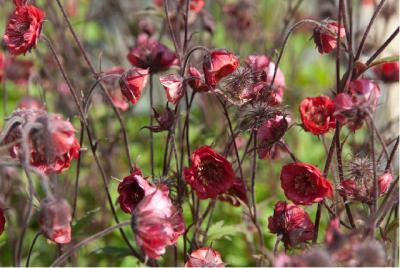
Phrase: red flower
(262, 65)
(304, 184)
(195, 5)
(52, 142)
(2, 221)
(384, 182)
(292, 223)
(150, 54)
(317, 114)
(173, 86)
(23, 28)
(325, 36)
(218, 64)
(272, 131)
(113, 88)
(132, 189)
(132, 83)
(353, 107)
(55, 220)
(388, 72)
(205, 257)
(235, 194)
(210, 173)
(156, 223)
(197, 82)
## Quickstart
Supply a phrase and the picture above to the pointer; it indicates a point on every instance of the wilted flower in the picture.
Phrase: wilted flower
(353, 107)
(235, 194)
(55, 220)
(387, 72)
(165, 120)
(317, 114)
(217, 64)
(304, 184)
(325, 36)
(270, 133)
(156, 223)
(197, 82)
(173, 86)
(2, 221)
(150, 54)
(292, 223)
(132, 189)
(51, 139)
(205, 257)
(210, 173)
(132, 83)
(23, 28)
(28, 102)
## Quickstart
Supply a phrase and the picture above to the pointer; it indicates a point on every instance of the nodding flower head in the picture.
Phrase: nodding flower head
(205, 257)
(317, 114)
(325, 36)
(132, 83)
(217, 64)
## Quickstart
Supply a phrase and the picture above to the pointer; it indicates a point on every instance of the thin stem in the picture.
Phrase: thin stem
(382, 47)
(60, 260)
(151, 123)
(392, 154)
(31, 248)
(78, 168)
(372, 150)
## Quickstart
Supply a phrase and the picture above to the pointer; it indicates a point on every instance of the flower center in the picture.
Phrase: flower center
(303, 184)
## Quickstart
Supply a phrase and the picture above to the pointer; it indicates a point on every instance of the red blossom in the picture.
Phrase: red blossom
(132, 189)
(23, 28)
(2, 221)
(218, 64)
(325, 36)
(205, 257)
(388, 72)
(235, 194)
(317, 114)
(111, 82)
(292, 223)
(151, 54)
(210, 173)
(197, 82)
(384, 182)
(304, 184)
(55, 220)
(157, 223)
(132, 83)
(173, 86)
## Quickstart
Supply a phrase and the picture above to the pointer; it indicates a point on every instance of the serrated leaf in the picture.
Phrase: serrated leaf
(219, 231)
(112, 251)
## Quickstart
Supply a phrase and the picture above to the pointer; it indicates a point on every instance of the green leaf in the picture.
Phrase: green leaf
(84, 221)
(219, 231)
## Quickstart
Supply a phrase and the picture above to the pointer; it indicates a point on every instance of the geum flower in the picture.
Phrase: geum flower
(133, 82)
(151, 54)
(325, 36)
(217, 64)
(236, 194)
(111, 81)
(291, 223)
(210, 174)
(264, 67)
(304, 184)
(205, 257)
(317, 114)
(196, 81)
(23, 28)
(353, 107)
(173, 86)
(387, 72)
(156, 222)
(51, 139)
(55, 220)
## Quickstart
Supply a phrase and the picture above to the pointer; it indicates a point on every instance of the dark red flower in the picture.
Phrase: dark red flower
(2, 221)
(317, 114)
(353, 107)
(150, 54)
(197, 82)
(51, 139)
(325, 36)
(205, 257)
(235, 194)
(111, 82)
(292, 223)
(218, 64)
(30, 103)
(270, 133)
(165, 120)
(18, 71)
(210, 173)
(173, 86)
(157, 223)
(23, 28)
(132, 83)
(132, 189)
(263, 66)
(304, 184)
(388, 72)
(55, 220)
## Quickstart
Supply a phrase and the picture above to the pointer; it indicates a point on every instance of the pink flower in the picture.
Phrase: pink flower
(325, 36)
(304, 184)
(292, 223)
(113, 88)
(156, 223)
(197, 81)
(23, 28)
(384, 182)
(218, 64)
(55, 220)
(317, 114)
(173, 86)
(132, 83)
(205, 257)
